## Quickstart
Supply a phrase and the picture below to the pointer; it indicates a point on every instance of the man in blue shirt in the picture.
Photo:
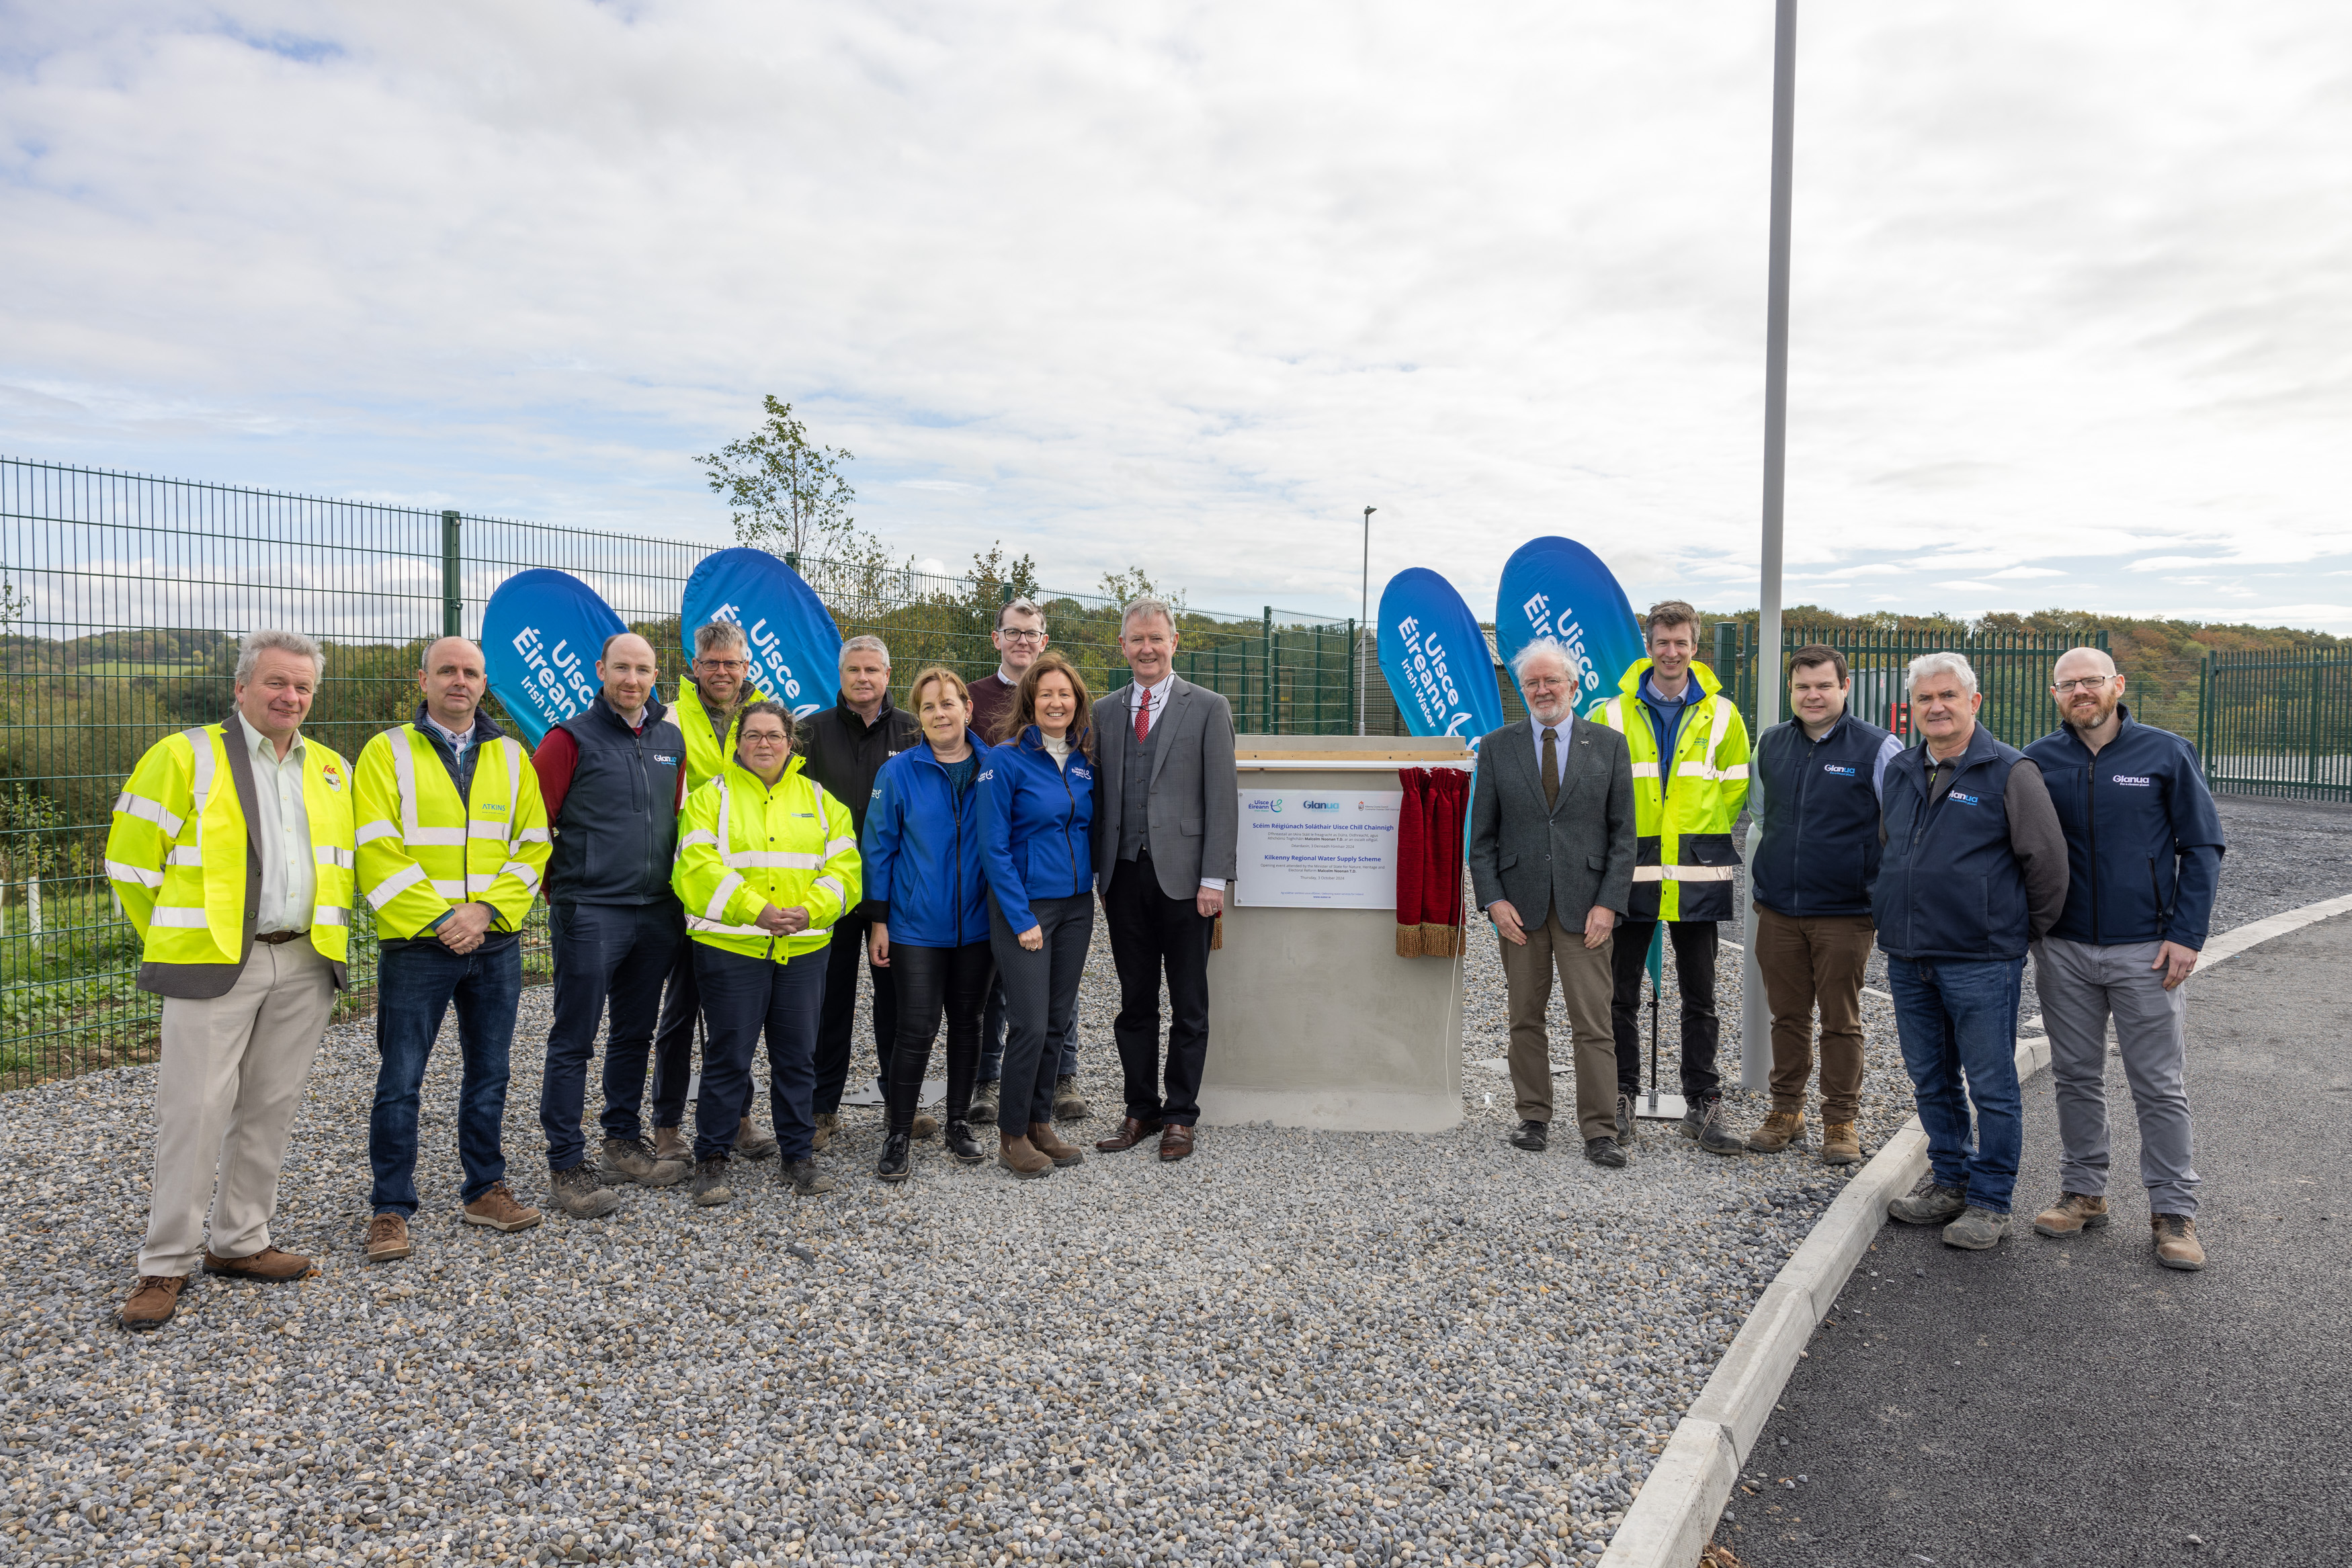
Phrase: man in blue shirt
(2144, 855)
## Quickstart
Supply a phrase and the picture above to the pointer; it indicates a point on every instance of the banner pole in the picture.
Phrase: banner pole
(1363, 617)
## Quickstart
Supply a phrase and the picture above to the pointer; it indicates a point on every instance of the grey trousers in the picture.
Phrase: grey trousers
(2082, 987)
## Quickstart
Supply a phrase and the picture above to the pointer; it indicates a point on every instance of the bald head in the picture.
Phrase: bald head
(2086, 688)
(452, 679)
(627, 670)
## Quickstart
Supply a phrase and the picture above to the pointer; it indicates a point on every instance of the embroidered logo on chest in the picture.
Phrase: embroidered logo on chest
(1840, 769)
(2134, 783)
(1963, 800)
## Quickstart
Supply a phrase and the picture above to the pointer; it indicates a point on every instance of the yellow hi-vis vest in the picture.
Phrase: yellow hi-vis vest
(742, 846)
(422, 850)
(1686, 861)
(706, 754)
(175, 851)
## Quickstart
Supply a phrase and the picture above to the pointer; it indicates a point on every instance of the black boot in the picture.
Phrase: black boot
(893, 1165)
(962, 1144)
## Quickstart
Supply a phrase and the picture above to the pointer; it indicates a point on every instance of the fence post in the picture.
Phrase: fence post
(1273, 724)
(2204, 715)
(1355, 681)
(453, 592)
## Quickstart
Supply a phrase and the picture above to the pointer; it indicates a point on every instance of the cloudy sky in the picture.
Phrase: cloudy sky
(1188, 285)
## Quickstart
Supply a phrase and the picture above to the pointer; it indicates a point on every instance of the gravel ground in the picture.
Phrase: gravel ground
(1326, 1348)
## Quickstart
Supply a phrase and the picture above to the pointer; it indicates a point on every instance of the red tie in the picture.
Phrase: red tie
(1143, 714)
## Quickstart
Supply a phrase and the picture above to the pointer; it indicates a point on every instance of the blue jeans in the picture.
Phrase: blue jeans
(415, 986)
(744, 1001)
(616, 954)
(1959, 1026)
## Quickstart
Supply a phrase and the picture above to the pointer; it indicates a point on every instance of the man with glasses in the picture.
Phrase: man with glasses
(2144, 855)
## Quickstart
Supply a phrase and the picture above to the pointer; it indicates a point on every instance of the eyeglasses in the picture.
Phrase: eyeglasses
(1013, 636)
(2080, 684)
(724, 663)
(763, 739)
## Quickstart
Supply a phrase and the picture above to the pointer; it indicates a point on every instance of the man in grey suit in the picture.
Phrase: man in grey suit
(1551, 862)
(1167, 828)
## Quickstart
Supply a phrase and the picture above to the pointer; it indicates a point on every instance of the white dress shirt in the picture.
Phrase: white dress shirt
(1158, 697)
(281, 831)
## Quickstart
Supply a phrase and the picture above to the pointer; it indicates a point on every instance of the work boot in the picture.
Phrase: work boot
(268, 1267)
(153, 1301)
(387, 1238)
(1532, 1136)
(1841, 1144)
(1069, 1106)
(579, 1194)
(897, 1159)
(1976, 1229)
(710, 1188)
(2176, 1246)
(1019, 1156)
(962, 1144)
(1937, 1205)
(634, 1159)
(983, 1104)
(804, 1178)
(1629, 1126)
(752, 1141)
(671, 1144)
(2072, 1215)
(501, 1210)
(926, 1125)
(1780, 1129)
(828, 1122)
(1048, 1143)
(1604, 1152)
(1702, 1123)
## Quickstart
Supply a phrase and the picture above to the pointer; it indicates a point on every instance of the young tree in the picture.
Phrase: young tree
(992, 574)
(1126, 587)
(784, 491)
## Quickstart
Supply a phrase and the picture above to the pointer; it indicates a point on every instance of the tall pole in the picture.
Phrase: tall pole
(1756, 1019)
(1363, 618)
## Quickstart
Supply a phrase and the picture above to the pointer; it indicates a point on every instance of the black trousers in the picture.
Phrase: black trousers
(1150, 933)
(841, 962)
(751, 1000)
(1041, 998)
(674, 1041)
(932, 981)
(1694, 942)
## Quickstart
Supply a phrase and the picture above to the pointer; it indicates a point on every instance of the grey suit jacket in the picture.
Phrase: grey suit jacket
(1194, 828)
(1564, 859)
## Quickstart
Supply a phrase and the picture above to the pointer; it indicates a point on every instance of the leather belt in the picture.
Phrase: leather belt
(280, 938)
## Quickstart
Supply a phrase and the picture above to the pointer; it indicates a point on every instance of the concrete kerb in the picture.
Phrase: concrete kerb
(1674, 1517)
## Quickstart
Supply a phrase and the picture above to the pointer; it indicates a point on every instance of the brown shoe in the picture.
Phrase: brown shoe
(1780, 1129)
(1130, 1133)
(2072, 1215)
(153, 1301)
(670, 1143)
(1841, 1144)
(387, 1240)
(1022, 1158)
(827, 1125)
(1048, 1143)
(1175, 1142)
(268, 1267)
(754, 1141)
(633, 1159)
(926, 1125)
(498, 1209)
(2176, 1246)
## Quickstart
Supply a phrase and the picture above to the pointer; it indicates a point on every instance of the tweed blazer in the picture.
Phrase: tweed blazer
(1565, 858)
(1194, 826)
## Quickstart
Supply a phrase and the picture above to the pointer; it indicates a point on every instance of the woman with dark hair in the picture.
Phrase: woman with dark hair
(930, 924)
(1037, 811)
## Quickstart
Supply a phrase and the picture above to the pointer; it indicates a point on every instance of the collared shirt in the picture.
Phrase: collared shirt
(1666, 715)
(1159, 698)
(281, 831)
(459, 740)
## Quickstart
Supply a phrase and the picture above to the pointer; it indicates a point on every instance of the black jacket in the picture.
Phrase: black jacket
(843, 753)
(616, 833)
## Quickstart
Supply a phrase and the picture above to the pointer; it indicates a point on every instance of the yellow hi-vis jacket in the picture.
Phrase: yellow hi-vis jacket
(706, 753)
(176, 854)
(742, 846)
(1686, 861)
(423, 850)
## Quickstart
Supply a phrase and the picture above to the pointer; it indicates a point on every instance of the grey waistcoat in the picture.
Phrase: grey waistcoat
(1135, 787)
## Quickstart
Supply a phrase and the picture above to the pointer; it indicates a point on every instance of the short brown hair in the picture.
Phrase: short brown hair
(930, 673)
(1670, 612)
(1023, 711)
(1813, 653)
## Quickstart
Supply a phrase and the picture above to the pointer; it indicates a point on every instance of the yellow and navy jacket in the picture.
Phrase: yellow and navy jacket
(706, 750)
(742, 846)
(424, 848)
(1684, 805)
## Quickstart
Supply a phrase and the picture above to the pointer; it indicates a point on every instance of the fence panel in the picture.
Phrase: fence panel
(2012, 673)
(2278, 724)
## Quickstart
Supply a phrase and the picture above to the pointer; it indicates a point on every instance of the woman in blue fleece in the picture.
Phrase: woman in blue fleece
(921, 852)
(1037, 811)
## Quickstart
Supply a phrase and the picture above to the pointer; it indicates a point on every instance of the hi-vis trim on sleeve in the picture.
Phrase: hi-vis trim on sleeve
(531, 836)
(1736, 770)
(831, 885)
(1685, 872)
(719, 928)
(718, 904)
(396, 884)
(140, 806)
(773, 860)
(179, 915)
(699, 836)
(122, 871)
(453, 889)
(370, 832)
(184, 854)
(1645, 770)
(521, 872)
(335, 855)
(834, 846)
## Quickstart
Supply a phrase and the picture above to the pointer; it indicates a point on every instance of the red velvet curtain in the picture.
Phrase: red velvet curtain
(1429, 861)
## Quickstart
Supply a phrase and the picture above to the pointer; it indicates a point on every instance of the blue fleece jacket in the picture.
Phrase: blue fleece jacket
(921, 852)
(1036, 826)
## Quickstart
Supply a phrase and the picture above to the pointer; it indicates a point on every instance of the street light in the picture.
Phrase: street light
(1363, 618)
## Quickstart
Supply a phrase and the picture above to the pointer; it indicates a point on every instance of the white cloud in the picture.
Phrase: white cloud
(2023, 573)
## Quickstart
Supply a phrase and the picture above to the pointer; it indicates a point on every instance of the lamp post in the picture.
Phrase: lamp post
(1363, 618)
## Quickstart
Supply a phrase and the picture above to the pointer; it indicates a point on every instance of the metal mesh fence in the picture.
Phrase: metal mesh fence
(121, 598)
(2012, 672)
(2278, 724)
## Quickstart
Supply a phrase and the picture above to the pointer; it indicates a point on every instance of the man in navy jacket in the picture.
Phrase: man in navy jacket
(2144, 854)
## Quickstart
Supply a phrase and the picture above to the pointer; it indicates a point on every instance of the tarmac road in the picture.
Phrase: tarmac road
(2072, 1403)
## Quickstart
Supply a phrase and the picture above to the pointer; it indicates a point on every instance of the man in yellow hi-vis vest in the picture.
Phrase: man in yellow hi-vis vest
(1689, 748)
(230, 853)
(452, 842)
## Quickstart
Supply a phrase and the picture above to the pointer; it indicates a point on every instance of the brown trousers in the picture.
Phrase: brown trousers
(1585, 978)
(1808, 963)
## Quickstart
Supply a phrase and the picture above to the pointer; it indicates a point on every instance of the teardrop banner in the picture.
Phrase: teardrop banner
(1436, 660)
(1556, 588)
(541, 634)
(795, 646)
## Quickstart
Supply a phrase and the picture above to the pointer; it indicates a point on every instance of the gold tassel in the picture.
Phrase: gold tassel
(1217, 933)
(1408, 941)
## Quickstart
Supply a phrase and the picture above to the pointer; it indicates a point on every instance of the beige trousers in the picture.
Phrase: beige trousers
(231, 1078)
(1585, 978)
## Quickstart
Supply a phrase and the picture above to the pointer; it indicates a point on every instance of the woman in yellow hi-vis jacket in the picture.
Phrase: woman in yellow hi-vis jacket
(766, 862)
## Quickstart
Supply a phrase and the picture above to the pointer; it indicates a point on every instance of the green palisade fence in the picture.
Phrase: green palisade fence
(2277, 724)
(2012, 672)
(124, 596)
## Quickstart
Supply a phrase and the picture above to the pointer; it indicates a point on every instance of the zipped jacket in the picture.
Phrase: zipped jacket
(921, 847)
(1036, 825)
(2144, 844)
(616, 831)
(742, 846)
(706, 750)
(1683, 807)
(1949, 884)
(423, 848)
(1816, 805)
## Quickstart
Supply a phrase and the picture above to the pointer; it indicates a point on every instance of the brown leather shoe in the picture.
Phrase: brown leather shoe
(499, 1209)
(1022, 1158)
(1780, 1129)
(1175, 1142)
(387, 1240)
(268, 1267)
(2072, 1215)
(1130, 1133)
(1048, 1143)
(670, 1143)
(1841, 1144)
(2176, 1246)
(153, 1301)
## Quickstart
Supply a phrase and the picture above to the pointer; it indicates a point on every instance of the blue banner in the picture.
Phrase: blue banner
(1556, 588)
(795, 646)
(541, 634)
(1435, 658)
